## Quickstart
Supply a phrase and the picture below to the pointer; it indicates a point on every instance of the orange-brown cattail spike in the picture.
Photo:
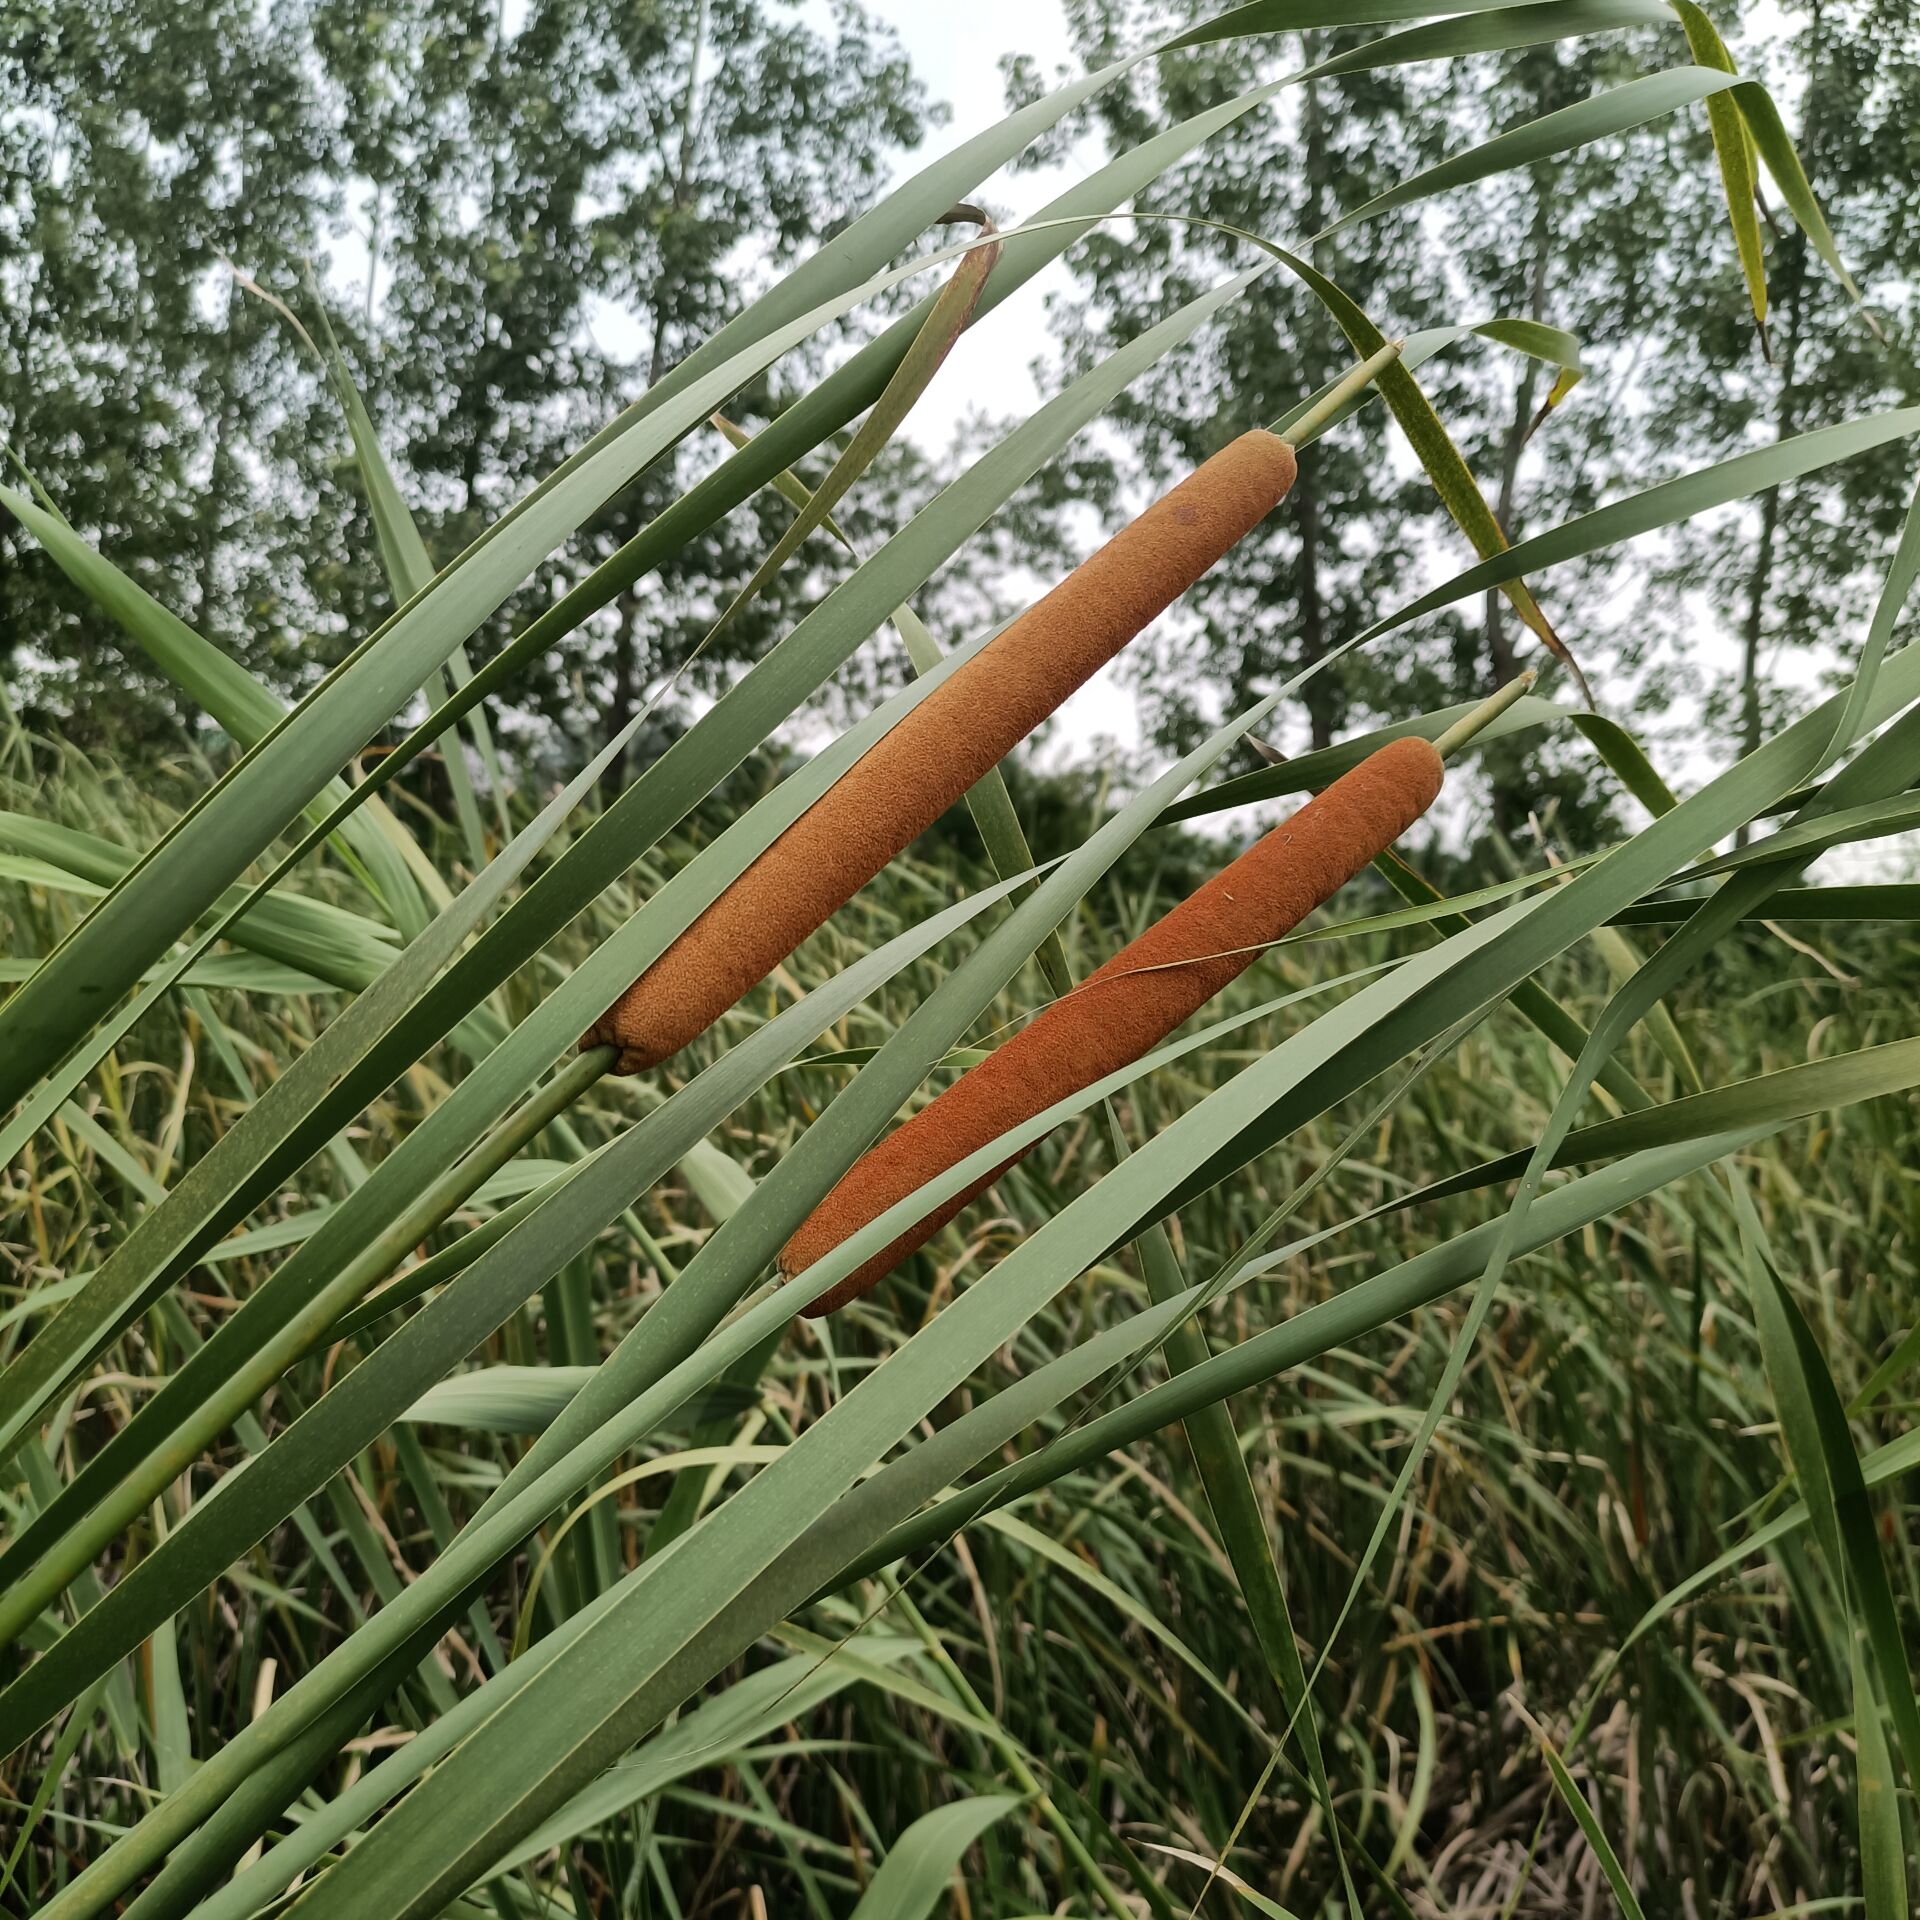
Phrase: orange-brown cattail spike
(1127, 1007)
(911, 776)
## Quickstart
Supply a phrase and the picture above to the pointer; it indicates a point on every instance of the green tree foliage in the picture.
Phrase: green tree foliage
(1625, 244)
(1789, 583)
(140, 144)
(544, 213)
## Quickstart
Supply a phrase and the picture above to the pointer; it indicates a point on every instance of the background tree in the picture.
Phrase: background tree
(1285, 172)
(1602, 232)
(140, 144)
(541, 218)
(1731, 623)
(1788, 583)
(1626, 246)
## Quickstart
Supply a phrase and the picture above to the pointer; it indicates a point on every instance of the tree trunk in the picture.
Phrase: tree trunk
(683, 166)
(1793, 277)
(626, 653)
(1319, 695)
(1752, 629)
(1500, 657)
(1508, 796)
(1786, 405)
(220, 473)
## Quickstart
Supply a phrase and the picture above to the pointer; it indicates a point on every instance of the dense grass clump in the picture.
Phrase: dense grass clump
(1610, 1436)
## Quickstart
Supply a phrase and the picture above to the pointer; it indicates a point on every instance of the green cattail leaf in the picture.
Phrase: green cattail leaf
(719, 1182)
(1577, 1804)
(632, 1396)
(1497, 30)
(731, 1723)
(332, 1079)
(375, 846)
(1883, 1848)
(343, 948)
(1827, 1469)
(1294, 1342)
(1897, 903)
(1558, 348)
(1452, 479)
(233, 972)
(387, 1028)
(1733, 148)
(1664, 505)
(919, 1867)
(951, 313)
(410, 569)
(400, 1371)
(1311, 772)
(1774, 145)
(1768, 1099)
(1618, 110)
(1295, 16)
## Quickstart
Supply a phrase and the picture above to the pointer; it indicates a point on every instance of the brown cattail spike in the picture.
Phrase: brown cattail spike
(1127, 1007)
(912, 775)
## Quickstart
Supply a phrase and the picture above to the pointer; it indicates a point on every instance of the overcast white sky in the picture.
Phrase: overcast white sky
(956, 46)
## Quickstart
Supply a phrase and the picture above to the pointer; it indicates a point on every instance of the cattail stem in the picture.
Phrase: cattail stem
(1321, 414)
(942, 748)
(1127, 1006)
(1484, 715)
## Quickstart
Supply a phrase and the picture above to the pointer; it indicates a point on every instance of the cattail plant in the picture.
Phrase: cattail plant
(1133, 1002)
(902, 785)
(242, 1440)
